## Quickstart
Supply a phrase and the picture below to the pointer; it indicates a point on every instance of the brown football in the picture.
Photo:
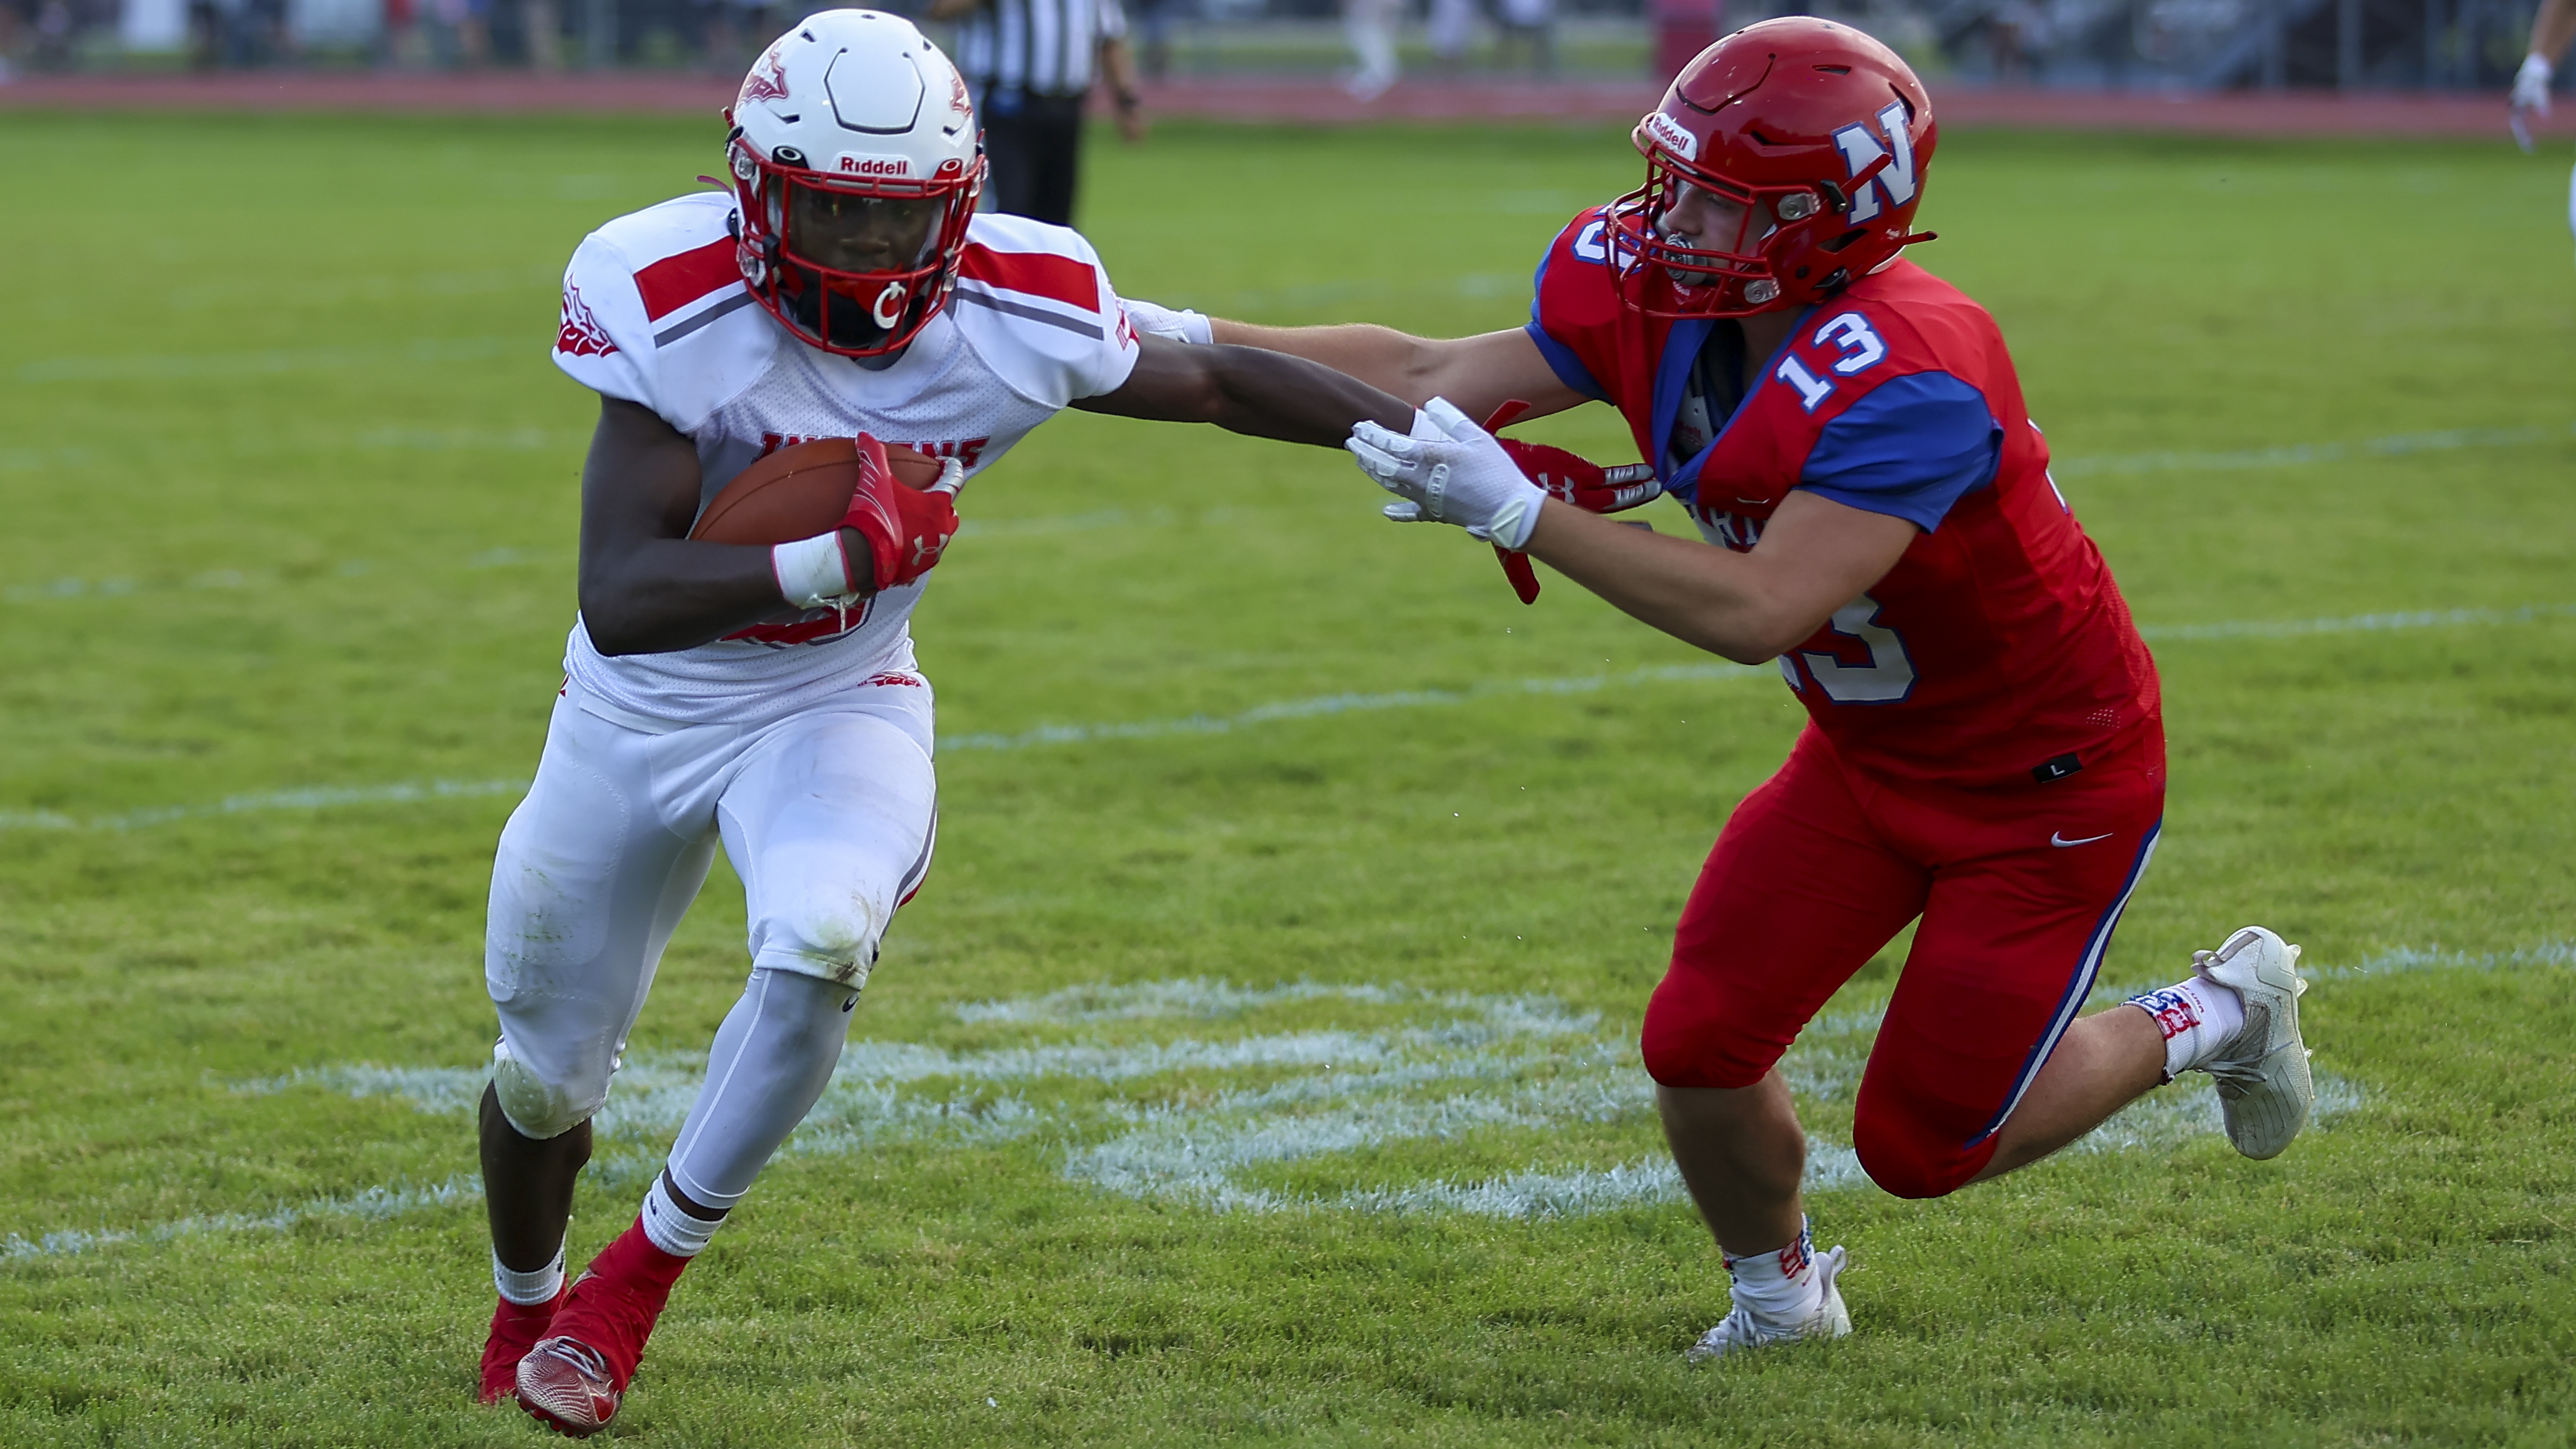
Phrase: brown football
(800, 491)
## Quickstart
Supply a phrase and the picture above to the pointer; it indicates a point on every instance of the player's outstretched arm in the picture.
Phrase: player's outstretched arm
(1247, 390)
(646, 587)
(1478, 373)
(1815, 556)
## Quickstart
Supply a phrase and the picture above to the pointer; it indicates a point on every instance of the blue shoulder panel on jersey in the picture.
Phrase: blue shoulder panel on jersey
(1910, 449)
(1569, 369)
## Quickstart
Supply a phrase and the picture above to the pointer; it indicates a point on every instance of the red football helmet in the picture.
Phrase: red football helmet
(853, 125)
(1818, 132)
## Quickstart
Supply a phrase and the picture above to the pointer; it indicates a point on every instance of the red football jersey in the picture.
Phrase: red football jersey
(1999, 643)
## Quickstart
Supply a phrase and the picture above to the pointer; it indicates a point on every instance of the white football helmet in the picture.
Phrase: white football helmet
(857, 163)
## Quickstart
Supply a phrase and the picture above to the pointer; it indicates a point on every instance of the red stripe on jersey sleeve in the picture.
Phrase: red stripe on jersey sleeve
(674, 282)
(1040, 274)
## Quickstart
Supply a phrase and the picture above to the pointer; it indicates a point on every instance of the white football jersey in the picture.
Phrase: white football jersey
(655, 312)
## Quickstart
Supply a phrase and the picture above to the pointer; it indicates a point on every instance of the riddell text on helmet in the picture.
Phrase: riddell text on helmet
(1671, 135)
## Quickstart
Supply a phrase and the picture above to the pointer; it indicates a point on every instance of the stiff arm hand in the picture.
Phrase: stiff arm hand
(1449, 470)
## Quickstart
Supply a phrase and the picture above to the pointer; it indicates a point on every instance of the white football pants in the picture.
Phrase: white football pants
(828, 815)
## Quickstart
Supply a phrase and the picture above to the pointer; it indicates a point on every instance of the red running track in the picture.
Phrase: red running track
(1284, 101)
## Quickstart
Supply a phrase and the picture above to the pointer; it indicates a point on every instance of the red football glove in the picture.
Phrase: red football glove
(1570, 479)
(905, 529)
(1585, 484)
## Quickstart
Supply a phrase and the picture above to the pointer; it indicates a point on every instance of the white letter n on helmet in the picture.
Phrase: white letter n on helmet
(1861, 151)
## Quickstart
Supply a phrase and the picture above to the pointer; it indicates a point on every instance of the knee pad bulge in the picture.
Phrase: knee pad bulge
(537, 1108)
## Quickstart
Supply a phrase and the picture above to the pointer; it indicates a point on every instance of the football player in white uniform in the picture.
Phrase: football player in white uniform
(766, 697)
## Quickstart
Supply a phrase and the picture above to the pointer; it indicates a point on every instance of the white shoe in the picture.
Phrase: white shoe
(1742, 1329)
(2264, 1088)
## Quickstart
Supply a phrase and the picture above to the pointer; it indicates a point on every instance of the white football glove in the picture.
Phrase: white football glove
(2530, 96)
(1181, 326)
(1450, 471)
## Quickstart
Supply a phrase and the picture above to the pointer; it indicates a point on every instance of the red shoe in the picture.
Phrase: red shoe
(572, 1380)
(564, 1384)
(516, 1327)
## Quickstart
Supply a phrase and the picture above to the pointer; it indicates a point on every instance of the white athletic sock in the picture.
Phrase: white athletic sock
(538, 1285)
(2195, 1015)
(672, 1228)
(1779, 1286)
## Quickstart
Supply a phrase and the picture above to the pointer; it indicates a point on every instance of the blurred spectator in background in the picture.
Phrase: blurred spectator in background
(1031, 64)
(15, 28)
(541, 31)
(1530, 23)
(1452, 23)
(1371, 26)
(1154, 25)
(269, 39)
(736, 31)
(464, 35)
(2018, 30)
(1683, 28)
(398, 43)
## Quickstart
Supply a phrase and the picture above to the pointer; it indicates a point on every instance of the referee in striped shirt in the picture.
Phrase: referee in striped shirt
(1031, 64)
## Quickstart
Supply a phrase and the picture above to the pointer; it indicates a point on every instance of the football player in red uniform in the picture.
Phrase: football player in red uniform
(1985, 749)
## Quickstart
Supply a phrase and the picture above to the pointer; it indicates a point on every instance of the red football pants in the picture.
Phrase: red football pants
(2019, 888)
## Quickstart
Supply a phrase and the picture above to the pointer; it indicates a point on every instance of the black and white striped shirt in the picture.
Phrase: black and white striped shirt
(1042, 47)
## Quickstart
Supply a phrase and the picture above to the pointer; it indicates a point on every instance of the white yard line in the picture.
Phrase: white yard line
(1457, 1064)
(2300, 455)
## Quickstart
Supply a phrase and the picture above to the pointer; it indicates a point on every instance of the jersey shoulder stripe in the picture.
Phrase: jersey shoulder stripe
(676, 281)
(1069, 280)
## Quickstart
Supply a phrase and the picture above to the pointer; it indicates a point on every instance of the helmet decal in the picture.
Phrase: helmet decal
(1891, 166)
(767, 81)
(889, 305)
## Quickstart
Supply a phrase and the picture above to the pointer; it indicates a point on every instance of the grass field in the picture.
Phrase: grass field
(1259, 1063)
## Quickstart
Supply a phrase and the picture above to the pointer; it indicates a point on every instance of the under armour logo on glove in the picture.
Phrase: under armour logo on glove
(1570, 478)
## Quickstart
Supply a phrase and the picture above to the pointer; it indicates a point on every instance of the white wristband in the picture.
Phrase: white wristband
(1180, 325)
(812, 574)
(2537, 70)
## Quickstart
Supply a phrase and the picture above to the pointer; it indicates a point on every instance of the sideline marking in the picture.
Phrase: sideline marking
(150, 366)
(1322, 706)
(2294, 455)
(369, 1205)
(315, 797)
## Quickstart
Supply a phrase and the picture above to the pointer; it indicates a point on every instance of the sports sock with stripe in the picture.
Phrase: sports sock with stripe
(2195, 1015)
(537, 1285)
(1779, 1286)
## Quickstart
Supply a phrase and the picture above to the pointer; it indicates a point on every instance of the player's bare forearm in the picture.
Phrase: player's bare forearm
(1250, 391)
(2553, 28)
(1379, 356)
(646, 587)
(1814, 557)
(651, 596)
(1477, 373)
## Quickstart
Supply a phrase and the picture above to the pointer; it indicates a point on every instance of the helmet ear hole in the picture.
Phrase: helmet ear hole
(1847, 238)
